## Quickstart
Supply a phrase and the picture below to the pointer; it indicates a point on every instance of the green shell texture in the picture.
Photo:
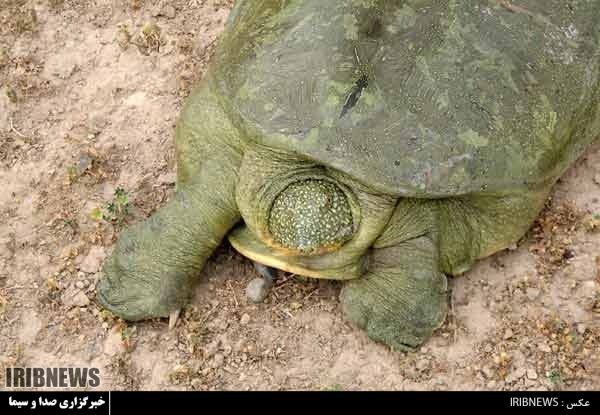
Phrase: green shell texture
(422, 98)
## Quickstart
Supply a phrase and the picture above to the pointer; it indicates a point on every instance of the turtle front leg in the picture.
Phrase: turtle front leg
(156, 262)
(402, 298)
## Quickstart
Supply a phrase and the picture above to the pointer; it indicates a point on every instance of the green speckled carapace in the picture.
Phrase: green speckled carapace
(385, 143)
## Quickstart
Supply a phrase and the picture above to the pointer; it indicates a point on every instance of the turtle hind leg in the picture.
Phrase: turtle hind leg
(475, 226)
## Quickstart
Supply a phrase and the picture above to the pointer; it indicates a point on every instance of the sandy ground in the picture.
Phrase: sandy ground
(89, 94)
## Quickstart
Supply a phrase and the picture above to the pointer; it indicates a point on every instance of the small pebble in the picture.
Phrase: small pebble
(532, 374)
(169, 11)
(422, 365)
(488, 372)
(75, 298)
(544, 348)
(245, 319)
(218, 360)
(257, 290)
(85, 162)
(508, 334)
(515, 375)
(532, 293)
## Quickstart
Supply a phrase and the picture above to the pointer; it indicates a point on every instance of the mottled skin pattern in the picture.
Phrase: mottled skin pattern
(386, 143)
(311, 213)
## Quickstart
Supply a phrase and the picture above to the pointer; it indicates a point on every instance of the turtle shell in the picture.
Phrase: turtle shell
(418, 98)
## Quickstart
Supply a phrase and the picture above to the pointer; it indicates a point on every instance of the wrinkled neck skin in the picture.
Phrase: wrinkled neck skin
(305, 218)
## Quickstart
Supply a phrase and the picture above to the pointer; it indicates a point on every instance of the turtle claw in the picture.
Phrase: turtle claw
(173, 318)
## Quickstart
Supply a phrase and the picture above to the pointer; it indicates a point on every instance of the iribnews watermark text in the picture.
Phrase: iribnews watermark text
(52, 377)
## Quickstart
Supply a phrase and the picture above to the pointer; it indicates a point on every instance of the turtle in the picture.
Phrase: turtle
(386, 144)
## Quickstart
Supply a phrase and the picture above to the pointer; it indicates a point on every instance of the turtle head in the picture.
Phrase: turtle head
(295, 206)
(311, 216)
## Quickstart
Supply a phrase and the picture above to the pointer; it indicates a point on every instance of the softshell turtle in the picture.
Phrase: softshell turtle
(384, 143)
